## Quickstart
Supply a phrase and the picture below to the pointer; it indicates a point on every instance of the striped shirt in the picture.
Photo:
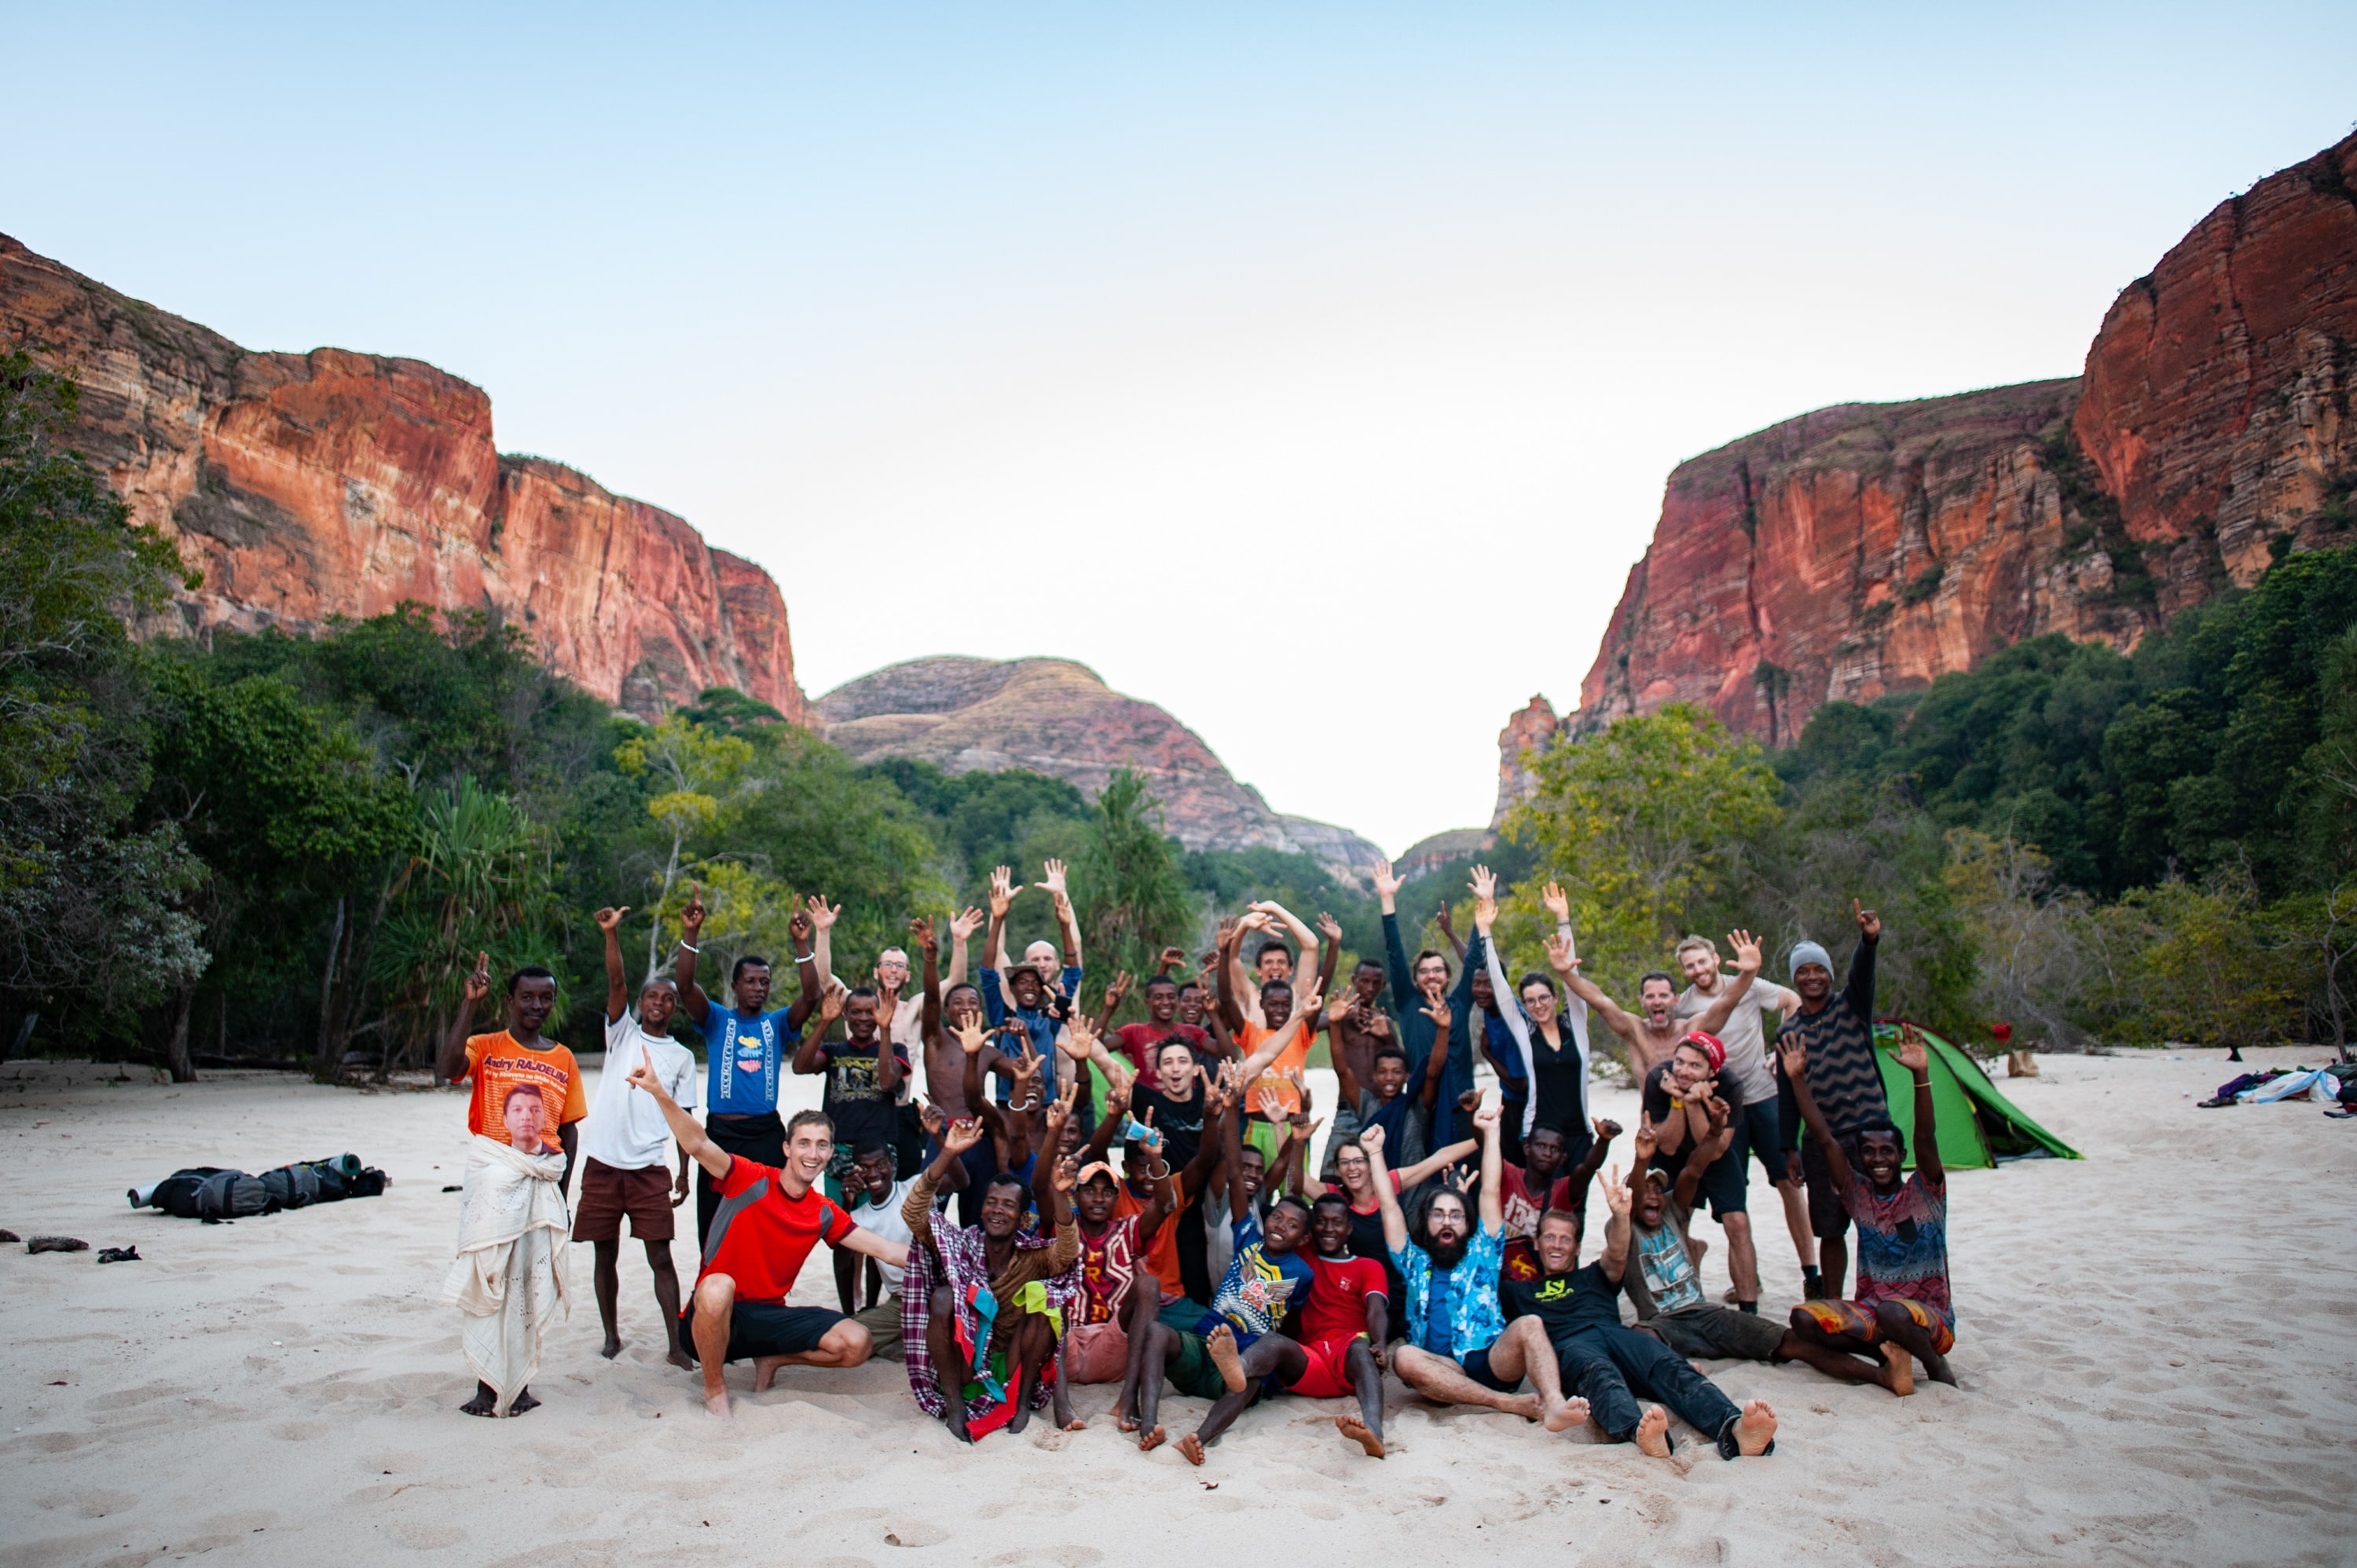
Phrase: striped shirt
(1842, 1073)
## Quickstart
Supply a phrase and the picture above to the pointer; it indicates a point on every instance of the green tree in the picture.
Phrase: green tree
(1640, 824)
(90, 922)
(1128, 884)
(700, 783)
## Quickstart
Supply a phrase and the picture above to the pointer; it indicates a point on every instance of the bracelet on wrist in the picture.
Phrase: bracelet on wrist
(689, 946)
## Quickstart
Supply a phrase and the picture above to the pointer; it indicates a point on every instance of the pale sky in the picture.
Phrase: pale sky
(1311, 370)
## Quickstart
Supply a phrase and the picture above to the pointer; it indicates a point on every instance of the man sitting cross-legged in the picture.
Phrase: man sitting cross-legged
(1607, 1366)
(768, 1220)
(1461, 1349)
(1902, 1306)
(982, 1303)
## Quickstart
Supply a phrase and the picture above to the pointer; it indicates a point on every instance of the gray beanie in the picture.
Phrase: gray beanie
(1811, 952)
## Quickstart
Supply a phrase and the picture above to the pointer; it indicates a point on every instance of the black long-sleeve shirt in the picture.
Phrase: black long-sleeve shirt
(1842, 1073)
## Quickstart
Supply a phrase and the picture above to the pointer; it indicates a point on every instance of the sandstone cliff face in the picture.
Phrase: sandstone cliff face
(307, 486)
(1521, 743)
(1056, 718)
(1867, 548)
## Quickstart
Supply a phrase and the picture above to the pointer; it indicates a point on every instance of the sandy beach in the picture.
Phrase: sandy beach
(2151, 1343)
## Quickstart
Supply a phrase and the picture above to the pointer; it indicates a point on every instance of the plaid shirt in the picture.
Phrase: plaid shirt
(1474, 1320)
(959, 1257)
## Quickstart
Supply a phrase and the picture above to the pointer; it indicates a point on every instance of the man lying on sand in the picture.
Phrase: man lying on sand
(768, 1218)
(1607, 1366)
(1902, 1306)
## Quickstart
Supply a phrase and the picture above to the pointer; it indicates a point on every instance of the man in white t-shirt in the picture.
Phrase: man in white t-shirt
(1744, 1034)
(625, 1145)
(876, 1205)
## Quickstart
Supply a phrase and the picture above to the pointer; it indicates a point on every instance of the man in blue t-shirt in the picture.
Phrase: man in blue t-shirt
(1024, 1002)
(746, 1045)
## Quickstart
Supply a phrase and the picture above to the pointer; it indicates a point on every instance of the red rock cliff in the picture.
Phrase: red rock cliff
(331, 483)
(1867, 548)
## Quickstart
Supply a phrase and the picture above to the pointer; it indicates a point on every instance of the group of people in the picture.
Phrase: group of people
(1019, 1197)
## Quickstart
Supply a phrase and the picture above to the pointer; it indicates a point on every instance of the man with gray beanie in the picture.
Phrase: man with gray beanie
(1838, 1032)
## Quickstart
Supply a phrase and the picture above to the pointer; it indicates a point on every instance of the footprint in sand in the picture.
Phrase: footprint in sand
(95, 1503)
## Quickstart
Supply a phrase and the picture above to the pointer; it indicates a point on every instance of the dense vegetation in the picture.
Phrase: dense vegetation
(256, 846)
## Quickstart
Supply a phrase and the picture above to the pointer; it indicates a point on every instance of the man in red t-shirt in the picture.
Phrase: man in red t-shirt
(1342, 1328)
(1144, 1041)
(768, 1221)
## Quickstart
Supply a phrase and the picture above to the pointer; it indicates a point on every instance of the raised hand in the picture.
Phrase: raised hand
(1328, 926)
(479, 983)
(888, 1000)
(1054, 885)
(1117, 990)
(1117, 1096)
(1255, 919)
(1869, 924)
(691, 913)
(1268, 1103)
(1794, 1059)
(1747, 950)
(922, 930)
(1486, 1119)
(1468, 1100)
(1060, 1111)
(823, 914)
(971, 1036)
(962, 1134)
(964, 923)
(1485, 884)
(1647, 1140)
(1171, 958)
(1371, 1139)
(1024, 1094)
(1558, 950)
(1079, 1041)
(643, 1075)
(929, 1117)
(1386, 885)
(1376, 1025)
(1606, 1128)
(610, 920)
(1445, 919)
(1002, 892)
(798, 926)
(1912, 1053)
(830, 1005)
(1557, 902)
(1308, 1000)
(1068, 1173)
(1718, 1112)
(1340, 1009)
(1619, 1195)
(1437, 1009)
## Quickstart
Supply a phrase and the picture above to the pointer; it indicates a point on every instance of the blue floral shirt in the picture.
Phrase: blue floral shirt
(1474, 1320)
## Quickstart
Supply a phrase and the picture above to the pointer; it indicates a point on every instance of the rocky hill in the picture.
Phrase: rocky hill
(1867, 548)
(1054, 716)
(309, 486)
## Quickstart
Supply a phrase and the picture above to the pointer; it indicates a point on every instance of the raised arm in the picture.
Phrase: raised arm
(1560, 960)
(1747, 965)
(1231, 1013)
(452, 1062)
(1859, 992)
(1395, 969)
(1795, 1059)
(684, 1128)
(929, 1016)
(1493, 1212)
(1435, 1065)
(809, 986)
(1446, 919)
(811, 1056)
(823, 916)
(1002, 896)
(917, 1210)
(1304, 1008)
(1332, 954)
(1580, 1174)
(1439, 1159)
(1043, 1169)
(1386, 1200)
(962, 926)
(1345, 1080)
(1113, 996)
(1308, 940)
(1617, 1197)
(617, 985)
(1916, 1057)
(1067, 923)
(692, 999)
(1509, 1005)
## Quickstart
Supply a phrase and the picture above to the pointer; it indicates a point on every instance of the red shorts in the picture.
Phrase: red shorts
(1328, 1375)
(1096, 1353)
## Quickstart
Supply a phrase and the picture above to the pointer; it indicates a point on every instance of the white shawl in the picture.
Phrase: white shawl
(509, 1276)
(1518, 1024)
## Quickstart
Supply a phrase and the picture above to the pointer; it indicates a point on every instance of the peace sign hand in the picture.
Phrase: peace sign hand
(479, 983)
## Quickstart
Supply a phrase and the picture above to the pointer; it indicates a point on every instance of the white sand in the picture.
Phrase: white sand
(2153, 1353)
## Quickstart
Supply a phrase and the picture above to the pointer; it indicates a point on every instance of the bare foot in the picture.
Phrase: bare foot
(1075, 1423)
(522, 1402)
(1755, 1428)
(954, 1416)
(716, 1402)
(1937, 1365)
(485, 1401)
(765, 1372)
(1223, 1346)
(1568, 1414)
(679, 1358)
(611, 1347)
(1123, 1420)
(1358, 1431)
(1191, 1447)
(1151, 1439)
(1898, 1370)
(1022, 1416)
(1527, 1406)
(1653, 1432)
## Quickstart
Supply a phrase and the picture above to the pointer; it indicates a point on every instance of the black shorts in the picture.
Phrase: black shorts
(1759, 1129)
(758, 1328)
(1727, 1180)
(1477, 1366)
(1827, 1218)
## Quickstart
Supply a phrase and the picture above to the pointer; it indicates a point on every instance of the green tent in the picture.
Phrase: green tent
(1978, 1126)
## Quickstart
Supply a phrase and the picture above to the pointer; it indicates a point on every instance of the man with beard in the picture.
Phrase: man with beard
(1836, 1035)
(1606, 1366)
(746, 1045)
(1461, 1349)
(981, 1305)
(1651, 1031)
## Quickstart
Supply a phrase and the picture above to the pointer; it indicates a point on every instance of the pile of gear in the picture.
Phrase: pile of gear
(2330, 1085)
(209, 1193)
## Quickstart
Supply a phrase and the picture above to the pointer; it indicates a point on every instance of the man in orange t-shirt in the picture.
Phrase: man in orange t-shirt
(527, 1093)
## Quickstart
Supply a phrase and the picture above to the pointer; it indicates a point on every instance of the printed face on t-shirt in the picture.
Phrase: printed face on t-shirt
(526, 1116)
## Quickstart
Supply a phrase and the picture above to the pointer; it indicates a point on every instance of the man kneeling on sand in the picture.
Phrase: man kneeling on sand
(768, 1220)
